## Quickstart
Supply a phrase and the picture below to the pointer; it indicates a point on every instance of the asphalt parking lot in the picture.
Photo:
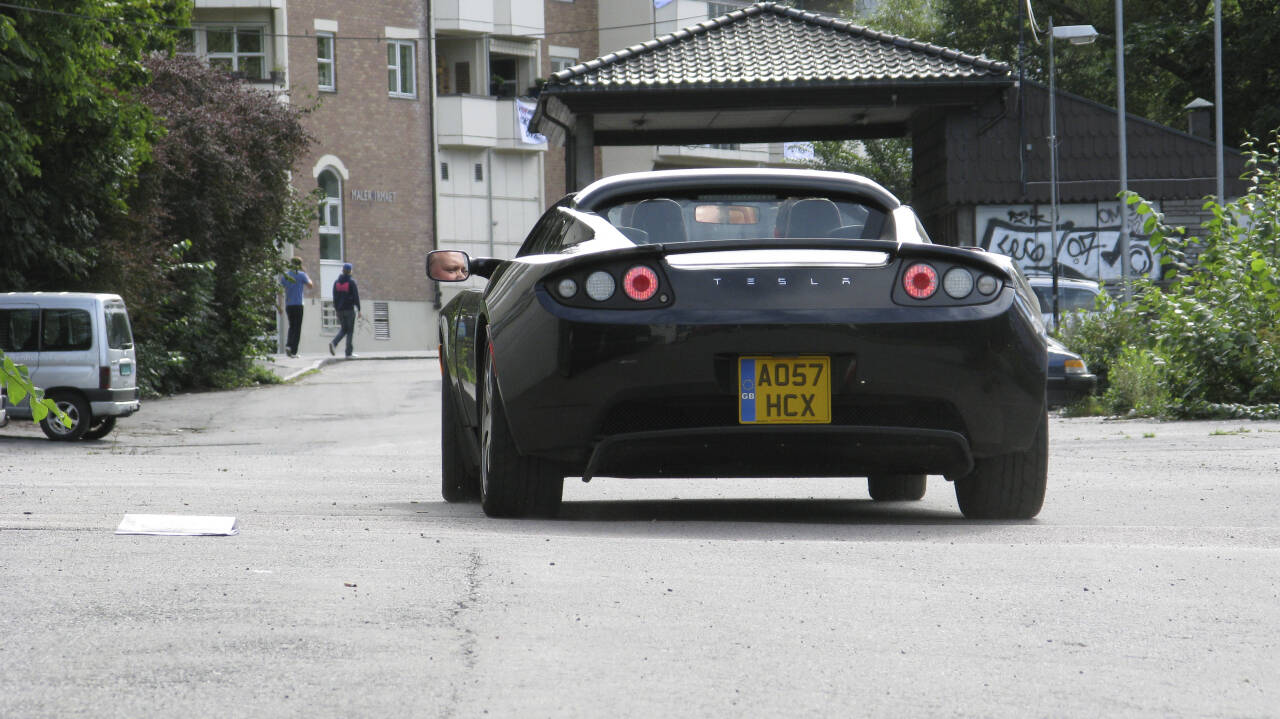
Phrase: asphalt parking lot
(1146, 587)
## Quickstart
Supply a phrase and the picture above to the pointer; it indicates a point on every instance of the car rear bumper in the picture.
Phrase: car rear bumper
(119, 402)
(660, 397)
(817, 451)
(1060, 391)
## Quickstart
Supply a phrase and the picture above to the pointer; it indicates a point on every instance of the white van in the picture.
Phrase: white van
(78, 347)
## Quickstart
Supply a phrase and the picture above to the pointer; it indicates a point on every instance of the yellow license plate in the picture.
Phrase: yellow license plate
(784, 390)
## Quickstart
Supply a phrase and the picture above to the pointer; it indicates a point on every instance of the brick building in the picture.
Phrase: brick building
(361, 66)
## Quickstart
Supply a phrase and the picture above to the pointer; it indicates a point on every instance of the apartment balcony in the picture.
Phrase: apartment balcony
(750, 154)
(496, 17)
(240, 4)
(482, 121)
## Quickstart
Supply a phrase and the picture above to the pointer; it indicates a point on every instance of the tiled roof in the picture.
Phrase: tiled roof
(771, 45)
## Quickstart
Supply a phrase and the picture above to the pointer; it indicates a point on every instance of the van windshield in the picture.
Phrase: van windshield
(119, 336)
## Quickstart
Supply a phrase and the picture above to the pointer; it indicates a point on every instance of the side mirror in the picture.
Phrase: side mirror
(448, 265)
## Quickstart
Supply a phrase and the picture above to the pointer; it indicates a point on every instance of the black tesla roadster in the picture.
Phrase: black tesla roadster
(741, 323)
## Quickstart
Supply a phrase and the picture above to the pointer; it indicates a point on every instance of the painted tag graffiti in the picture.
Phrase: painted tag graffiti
(1088, 239)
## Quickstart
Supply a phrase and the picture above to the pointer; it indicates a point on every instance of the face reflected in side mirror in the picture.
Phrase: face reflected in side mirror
(448, 265)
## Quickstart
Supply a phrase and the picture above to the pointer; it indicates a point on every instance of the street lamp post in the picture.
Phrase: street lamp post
(1126, 262)
(1076, 35)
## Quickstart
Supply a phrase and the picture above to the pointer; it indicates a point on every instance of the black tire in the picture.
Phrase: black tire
(1009, 486)
(100, 428)
(459, 471)
(77, 408)
(512, 484)
(896, 487)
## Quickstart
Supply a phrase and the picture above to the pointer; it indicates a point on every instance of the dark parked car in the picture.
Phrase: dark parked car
(1069, 379)
(734, 322)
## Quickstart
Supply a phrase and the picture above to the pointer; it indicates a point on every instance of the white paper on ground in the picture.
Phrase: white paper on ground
(177, 525)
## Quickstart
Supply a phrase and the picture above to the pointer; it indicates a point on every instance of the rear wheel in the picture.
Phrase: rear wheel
(896, 487)
(1008, 486)
(512, 484)
(459, 476)
(77, 409)
(100, 428)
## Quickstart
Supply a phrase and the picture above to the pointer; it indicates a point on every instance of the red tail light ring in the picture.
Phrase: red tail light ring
(920, 281)
(640, 283)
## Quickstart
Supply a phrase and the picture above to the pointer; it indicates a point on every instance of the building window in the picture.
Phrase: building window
(444, 171)
(716, 9)
(240, 50)
(479, 172)
(331, 216)
(400, 78)
(562, 63)
(328, 317)
(324, 62)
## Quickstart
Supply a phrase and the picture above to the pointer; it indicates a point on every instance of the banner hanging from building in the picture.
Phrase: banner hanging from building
(524, 113)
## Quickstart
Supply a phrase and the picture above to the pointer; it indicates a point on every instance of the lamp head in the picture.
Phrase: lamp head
(1076, 34)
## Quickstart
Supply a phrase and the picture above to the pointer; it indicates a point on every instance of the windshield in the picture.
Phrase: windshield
(119, 336)
(1069, 299)
(703, 218)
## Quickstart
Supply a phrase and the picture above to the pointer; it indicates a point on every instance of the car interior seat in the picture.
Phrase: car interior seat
(662, 219)
(812, 217)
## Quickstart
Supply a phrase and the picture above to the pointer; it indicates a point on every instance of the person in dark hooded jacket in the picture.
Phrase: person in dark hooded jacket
(346, 302)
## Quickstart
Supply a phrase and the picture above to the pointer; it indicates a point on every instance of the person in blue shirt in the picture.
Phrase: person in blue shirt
(294, 282)
(346, 302)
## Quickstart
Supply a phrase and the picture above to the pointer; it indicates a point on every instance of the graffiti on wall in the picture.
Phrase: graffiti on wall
(1088, 239)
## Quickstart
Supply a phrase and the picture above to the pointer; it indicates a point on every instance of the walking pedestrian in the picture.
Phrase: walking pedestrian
(346, 302)
(295, 281)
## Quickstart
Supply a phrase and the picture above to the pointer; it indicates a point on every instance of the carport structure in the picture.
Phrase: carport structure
(765, 73)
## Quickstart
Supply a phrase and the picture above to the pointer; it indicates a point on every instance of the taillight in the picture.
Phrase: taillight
(640, 283)
(600, 286)
(920, 281)
(104, 378)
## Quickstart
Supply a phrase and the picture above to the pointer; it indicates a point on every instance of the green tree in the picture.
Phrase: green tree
(1168, 49)
(885, 160)
(71, 136)
(1168, 53)
(197, 256)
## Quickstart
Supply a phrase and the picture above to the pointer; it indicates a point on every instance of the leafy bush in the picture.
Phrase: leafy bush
(1137, 384)
(1100, 337)
(1216, 326)
(197, 256)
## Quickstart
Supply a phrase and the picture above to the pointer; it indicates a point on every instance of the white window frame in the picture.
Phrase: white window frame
(330, 62)
(328, 317)
(328, 205)
(716, 8)
(200, 45)
(564, 57)
(396, 69)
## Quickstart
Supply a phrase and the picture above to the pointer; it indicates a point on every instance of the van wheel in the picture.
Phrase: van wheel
(77, 409)
(100, 428)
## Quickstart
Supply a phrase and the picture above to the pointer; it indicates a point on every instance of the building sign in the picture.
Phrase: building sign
(373, 196)
(1088, 239)
(797, 151)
